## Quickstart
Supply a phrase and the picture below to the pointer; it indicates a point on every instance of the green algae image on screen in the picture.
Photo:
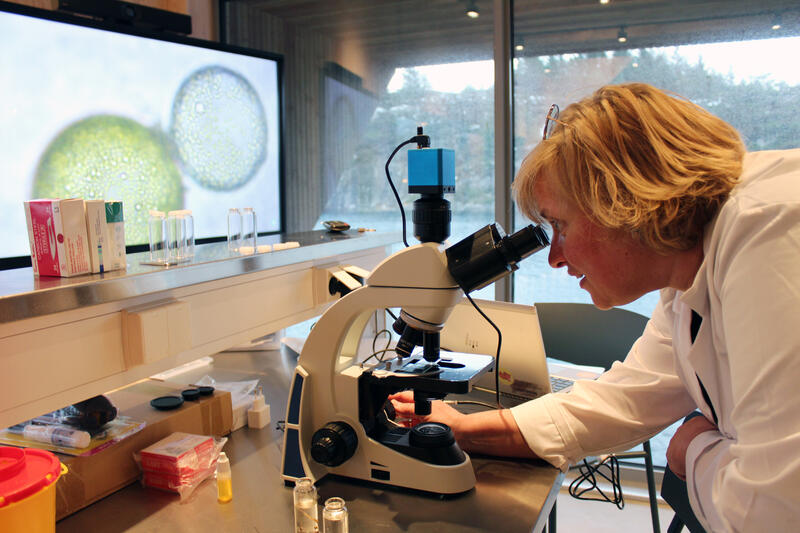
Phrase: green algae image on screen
(112, 158)
(219, 128)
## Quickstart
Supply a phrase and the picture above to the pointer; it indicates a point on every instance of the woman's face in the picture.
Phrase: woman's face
(613, 267)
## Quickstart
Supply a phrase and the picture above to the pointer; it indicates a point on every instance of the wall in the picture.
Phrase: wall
(305, 54)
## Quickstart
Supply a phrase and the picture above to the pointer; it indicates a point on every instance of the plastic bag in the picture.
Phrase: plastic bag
(180, 462)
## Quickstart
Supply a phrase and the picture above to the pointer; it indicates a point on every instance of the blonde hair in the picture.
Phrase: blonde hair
(638, 159)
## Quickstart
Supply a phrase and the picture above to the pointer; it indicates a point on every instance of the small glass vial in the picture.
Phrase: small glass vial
(224, 482)
(157, 229)
(334, 516)
(188, 235)
(234, 229)
(305, 506)
(249, 231)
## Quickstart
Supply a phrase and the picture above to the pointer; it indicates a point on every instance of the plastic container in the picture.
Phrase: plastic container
(224, 481)
(27, 490)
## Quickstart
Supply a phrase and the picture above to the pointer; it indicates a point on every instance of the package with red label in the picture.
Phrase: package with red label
(179, 462)
(57, 235)
(174, 482)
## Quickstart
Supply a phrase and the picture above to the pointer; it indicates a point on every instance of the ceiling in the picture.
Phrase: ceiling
(403, 31)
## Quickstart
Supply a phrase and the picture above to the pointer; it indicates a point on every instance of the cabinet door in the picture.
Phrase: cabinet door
(45, 361)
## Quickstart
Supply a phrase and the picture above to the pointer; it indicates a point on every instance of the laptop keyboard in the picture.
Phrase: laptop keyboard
(558, 384)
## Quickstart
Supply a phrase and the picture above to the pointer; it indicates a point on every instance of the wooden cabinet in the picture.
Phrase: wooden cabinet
(61, 344)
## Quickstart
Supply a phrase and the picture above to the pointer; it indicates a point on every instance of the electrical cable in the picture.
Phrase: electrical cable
(587, 475)
(470, 402)
(497, 355)
(377, 357)
(394, 190)
(378, 334)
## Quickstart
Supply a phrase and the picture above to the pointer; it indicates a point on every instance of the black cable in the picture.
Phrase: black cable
(587, 475)
(497, 355)
(470, 402)
(378, 334)
(394, 317)
(394, 190)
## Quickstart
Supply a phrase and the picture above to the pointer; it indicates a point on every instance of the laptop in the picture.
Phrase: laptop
(524, 372)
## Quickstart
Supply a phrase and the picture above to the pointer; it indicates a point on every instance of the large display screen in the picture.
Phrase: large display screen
(157, 122)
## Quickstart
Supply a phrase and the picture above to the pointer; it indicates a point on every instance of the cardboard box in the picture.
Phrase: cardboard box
(115, 237)
(57, 236)
(96, 476)
(105, 229)
(96, 232)
(180, 454)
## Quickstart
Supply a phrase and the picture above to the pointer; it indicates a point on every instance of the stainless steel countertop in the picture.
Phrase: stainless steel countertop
(510, 495)
(23, 295)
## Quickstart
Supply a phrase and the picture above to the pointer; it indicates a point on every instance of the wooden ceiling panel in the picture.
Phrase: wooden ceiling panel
(403, 31)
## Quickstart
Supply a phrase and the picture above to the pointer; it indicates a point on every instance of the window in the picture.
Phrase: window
(734, 69)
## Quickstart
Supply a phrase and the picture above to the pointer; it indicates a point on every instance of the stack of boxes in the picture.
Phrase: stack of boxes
(69, 237)
(178, 462)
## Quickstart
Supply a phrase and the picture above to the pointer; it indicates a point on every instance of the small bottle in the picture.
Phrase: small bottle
(305, 506)
(224, 482)
(58, 435)
(334, 516)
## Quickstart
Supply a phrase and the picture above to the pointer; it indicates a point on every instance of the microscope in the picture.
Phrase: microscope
(338, 419)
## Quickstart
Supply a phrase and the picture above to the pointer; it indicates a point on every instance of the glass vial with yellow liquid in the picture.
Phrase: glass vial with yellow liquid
(305, 506)
(224, 482)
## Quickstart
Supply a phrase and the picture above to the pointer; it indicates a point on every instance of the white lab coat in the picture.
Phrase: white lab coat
(746, 476)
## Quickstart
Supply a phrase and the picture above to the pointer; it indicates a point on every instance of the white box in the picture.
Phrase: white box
(115, 237)
(96, 232)
(57, 235)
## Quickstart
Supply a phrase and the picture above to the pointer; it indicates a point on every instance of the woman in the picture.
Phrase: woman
(644, 191)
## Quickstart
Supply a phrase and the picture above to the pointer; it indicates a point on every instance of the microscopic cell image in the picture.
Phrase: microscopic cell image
(219, 128)
(112, 158)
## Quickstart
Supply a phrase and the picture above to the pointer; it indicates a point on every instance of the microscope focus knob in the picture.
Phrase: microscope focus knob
(334, 443)
(431, 435)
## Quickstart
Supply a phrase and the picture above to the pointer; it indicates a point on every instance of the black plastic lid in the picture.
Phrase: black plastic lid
(165, 403)
(190, 394)
(205, 390)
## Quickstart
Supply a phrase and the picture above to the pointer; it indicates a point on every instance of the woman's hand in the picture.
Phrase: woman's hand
(686, 432)
(440, 412)
(492, 432)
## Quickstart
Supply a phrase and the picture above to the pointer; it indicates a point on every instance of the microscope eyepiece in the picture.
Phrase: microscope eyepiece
(489, 254)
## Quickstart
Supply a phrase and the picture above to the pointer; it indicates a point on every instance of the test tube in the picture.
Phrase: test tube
(234, 229)
(305, 506)
(334, 516)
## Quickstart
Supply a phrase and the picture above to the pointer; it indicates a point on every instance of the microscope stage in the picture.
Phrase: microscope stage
(454, 372)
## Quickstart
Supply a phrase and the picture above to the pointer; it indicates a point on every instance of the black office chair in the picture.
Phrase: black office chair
(585, 335)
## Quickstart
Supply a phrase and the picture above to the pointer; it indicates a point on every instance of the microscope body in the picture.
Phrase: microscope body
(336, 421)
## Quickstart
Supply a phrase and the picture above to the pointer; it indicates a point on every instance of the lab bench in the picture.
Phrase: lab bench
(63, 340)
(511, 495)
